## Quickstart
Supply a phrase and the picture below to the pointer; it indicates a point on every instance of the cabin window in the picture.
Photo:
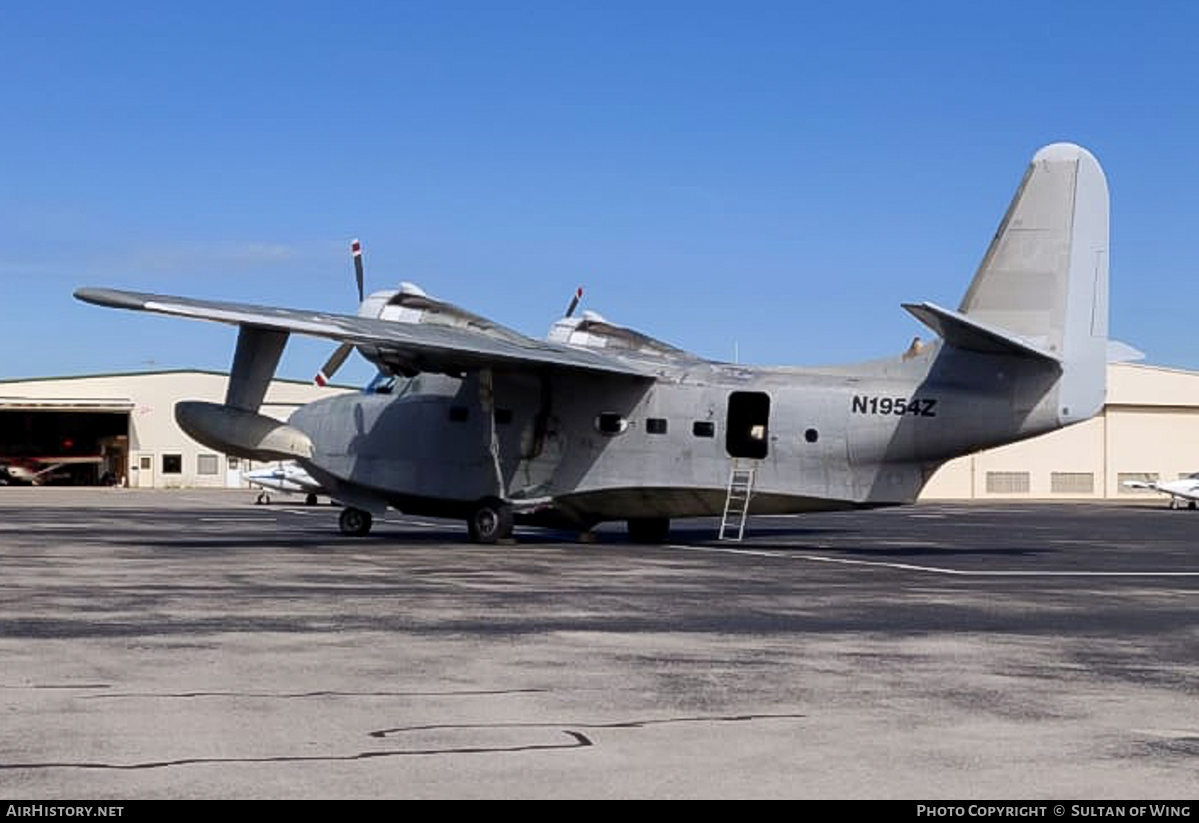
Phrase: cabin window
(811, 435)
(656, 425)
(172, 464)
(611, 423)
(458, 414)
(703, 428)
(748, 419)
(207, 464)
(503, 417)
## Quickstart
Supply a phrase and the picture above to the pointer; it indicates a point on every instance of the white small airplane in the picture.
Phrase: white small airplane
(1184, 489)
(37, 471)
(288, 477)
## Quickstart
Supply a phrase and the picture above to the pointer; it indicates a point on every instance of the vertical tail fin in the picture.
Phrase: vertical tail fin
(1045, 276)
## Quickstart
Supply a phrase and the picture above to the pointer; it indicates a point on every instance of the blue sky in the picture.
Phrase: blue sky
(778, 175)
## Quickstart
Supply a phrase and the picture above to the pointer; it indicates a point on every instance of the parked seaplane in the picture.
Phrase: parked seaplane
(598, 422)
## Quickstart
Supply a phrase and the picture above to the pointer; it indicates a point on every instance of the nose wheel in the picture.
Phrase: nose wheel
(354, 522)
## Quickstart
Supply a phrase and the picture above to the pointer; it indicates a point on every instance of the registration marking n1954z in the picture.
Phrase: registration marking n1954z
(913, 406)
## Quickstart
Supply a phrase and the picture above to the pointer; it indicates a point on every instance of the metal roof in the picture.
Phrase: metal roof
(120, 405)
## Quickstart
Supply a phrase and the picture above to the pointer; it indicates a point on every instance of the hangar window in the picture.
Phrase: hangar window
(172, 464)
(610, 423)
(232, 463)
(1007, 483)
(656, 425)
(703, 428)
(147, 463)
(458, 414)
(1135, 477)
(1072, 483)
(206, 464)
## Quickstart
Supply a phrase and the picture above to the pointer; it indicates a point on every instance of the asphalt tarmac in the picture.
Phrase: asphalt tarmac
(193, 645)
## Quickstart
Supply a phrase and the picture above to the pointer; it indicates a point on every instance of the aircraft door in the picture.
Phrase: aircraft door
(747, 428)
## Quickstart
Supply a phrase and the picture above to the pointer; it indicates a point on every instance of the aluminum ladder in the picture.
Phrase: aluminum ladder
(736, 501)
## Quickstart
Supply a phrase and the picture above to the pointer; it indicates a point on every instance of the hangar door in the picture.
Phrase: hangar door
(64, 442)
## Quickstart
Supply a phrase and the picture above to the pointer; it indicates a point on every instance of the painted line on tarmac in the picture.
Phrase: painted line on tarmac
(912, 567)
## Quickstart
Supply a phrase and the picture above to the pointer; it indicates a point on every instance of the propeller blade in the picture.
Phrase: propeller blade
(333, 364)
(574, 303)
(356, 249)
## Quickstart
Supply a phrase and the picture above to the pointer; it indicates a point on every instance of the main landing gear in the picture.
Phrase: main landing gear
(354, 522)
(262, 499)
(490, 521)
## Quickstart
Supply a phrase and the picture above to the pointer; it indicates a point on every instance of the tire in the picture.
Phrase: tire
(310, 500)
(649, 530)
(354, 522)
(490, 521)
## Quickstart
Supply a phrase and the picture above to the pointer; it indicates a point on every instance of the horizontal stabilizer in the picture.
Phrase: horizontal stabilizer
(1118, 352)
(963, 332)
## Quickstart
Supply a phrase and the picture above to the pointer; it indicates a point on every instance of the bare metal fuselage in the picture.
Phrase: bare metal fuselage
(868, 435)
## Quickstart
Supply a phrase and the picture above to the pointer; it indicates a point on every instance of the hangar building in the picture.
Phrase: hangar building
(121, 428)
(1148, 430)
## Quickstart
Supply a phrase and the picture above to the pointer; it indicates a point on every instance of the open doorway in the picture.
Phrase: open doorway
(748, 427)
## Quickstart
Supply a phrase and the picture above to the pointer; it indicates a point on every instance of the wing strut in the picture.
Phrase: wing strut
(254, 362)
(487, 401)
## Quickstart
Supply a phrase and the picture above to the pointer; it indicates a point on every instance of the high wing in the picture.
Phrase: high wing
(424, 347)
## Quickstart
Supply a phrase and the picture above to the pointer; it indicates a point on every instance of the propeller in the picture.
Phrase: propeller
(343, 351)
(356, 250)
(574, 302)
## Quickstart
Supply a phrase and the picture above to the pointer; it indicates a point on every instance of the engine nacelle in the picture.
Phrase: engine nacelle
(411, 304)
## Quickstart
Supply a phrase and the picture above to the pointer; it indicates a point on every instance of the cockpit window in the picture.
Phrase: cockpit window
(381, 384)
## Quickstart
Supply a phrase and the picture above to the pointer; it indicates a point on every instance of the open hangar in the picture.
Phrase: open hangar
(121, 429)
(1148, 430)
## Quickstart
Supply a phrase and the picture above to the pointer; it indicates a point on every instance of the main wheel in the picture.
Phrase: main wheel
(354, 522)
(649, 529)
(490, 521)
(310, 500)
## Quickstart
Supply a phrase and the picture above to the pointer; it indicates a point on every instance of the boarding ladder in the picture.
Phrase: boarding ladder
(736, 502)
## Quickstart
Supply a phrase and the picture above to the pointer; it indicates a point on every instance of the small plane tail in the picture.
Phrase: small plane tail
(1043, 283)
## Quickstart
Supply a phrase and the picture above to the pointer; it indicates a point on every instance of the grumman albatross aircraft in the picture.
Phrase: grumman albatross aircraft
(601, 423)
